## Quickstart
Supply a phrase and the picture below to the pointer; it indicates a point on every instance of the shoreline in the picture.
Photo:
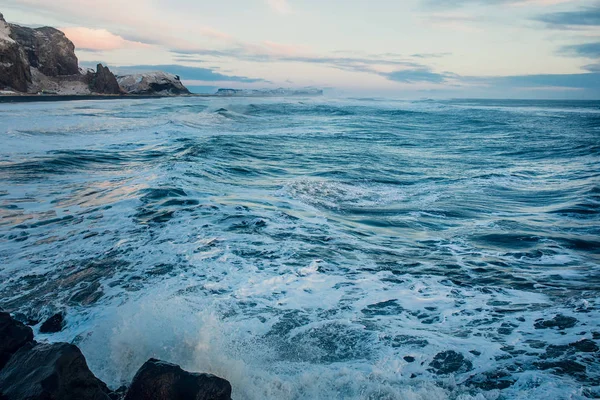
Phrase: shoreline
(32, 98)
(75, 97)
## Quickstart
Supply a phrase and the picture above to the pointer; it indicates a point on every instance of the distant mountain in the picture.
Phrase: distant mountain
(268, 92)
(43, 60)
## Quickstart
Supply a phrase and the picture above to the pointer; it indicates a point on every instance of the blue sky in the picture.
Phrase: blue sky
(408, 48)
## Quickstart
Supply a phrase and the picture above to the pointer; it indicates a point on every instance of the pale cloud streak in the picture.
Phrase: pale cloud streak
(280, 6)
(98, 39)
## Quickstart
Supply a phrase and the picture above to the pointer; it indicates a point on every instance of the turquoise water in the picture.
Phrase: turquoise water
(313, 248)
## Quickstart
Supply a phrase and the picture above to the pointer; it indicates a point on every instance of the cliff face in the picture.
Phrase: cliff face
(40, 59)
(44, 60)
(14, 69)
(47, 49)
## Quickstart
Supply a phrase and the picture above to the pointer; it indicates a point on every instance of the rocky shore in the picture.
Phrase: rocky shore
(30, 370)
(43, 61)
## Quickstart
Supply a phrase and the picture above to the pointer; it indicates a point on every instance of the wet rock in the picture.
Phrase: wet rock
(449, 362)
(118, 394)
(158, 380)
(559, 322)
(13, 335)
(53, 324)
(105, 81)
(50, 371)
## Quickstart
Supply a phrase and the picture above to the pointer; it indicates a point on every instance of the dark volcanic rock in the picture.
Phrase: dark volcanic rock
(14, 68)
(105, 81)
(158, 380)
(47, 49)
(50, 371)
(53, 324)
(449, 362)
(13, 335)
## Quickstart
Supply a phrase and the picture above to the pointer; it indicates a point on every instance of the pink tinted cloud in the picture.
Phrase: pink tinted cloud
(98, 39)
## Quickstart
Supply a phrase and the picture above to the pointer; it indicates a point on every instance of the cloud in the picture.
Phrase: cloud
(592, 67)
(588, 50)
(456, 21)
(590, 81)
(460, 3)
(187, 73)
(98, 39)
(416, 75)
(582, 18)
(270, 52)
(281, 6)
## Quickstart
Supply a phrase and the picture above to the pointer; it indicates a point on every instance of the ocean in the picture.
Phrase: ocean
(313, 248)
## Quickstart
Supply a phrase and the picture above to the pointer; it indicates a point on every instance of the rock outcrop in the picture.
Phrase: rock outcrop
(53, 324)
(50, 371)
(104, 81)
(158, 380)
(13, 336)
(14, 68)
(158, 82)
(47, 49)
(43, 60)
(47, 371)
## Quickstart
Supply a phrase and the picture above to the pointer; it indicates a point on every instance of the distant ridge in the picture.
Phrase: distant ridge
(268, 92)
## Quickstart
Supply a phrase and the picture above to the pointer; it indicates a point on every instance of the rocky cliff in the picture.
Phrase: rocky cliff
(43, 60)
(157, 82)
(14, 69)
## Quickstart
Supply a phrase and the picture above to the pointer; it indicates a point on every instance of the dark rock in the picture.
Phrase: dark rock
(50, 371)
(409, 359)
(449, 362)
(53, 324)
(560, 322)
(14, 68)
(13, 335)
(158, 380)
(47, 49)
(118, 394)
(105, 81)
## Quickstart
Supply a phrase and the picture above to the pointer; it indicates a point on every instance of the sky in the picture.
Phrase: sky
(404, 48)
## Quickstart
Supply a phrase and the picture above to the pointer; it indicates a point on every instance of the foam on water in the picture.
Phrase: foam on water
(328, 248)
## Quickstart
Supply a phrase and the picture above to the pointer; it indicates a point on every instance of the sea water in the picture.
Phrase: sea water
(313, 248)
